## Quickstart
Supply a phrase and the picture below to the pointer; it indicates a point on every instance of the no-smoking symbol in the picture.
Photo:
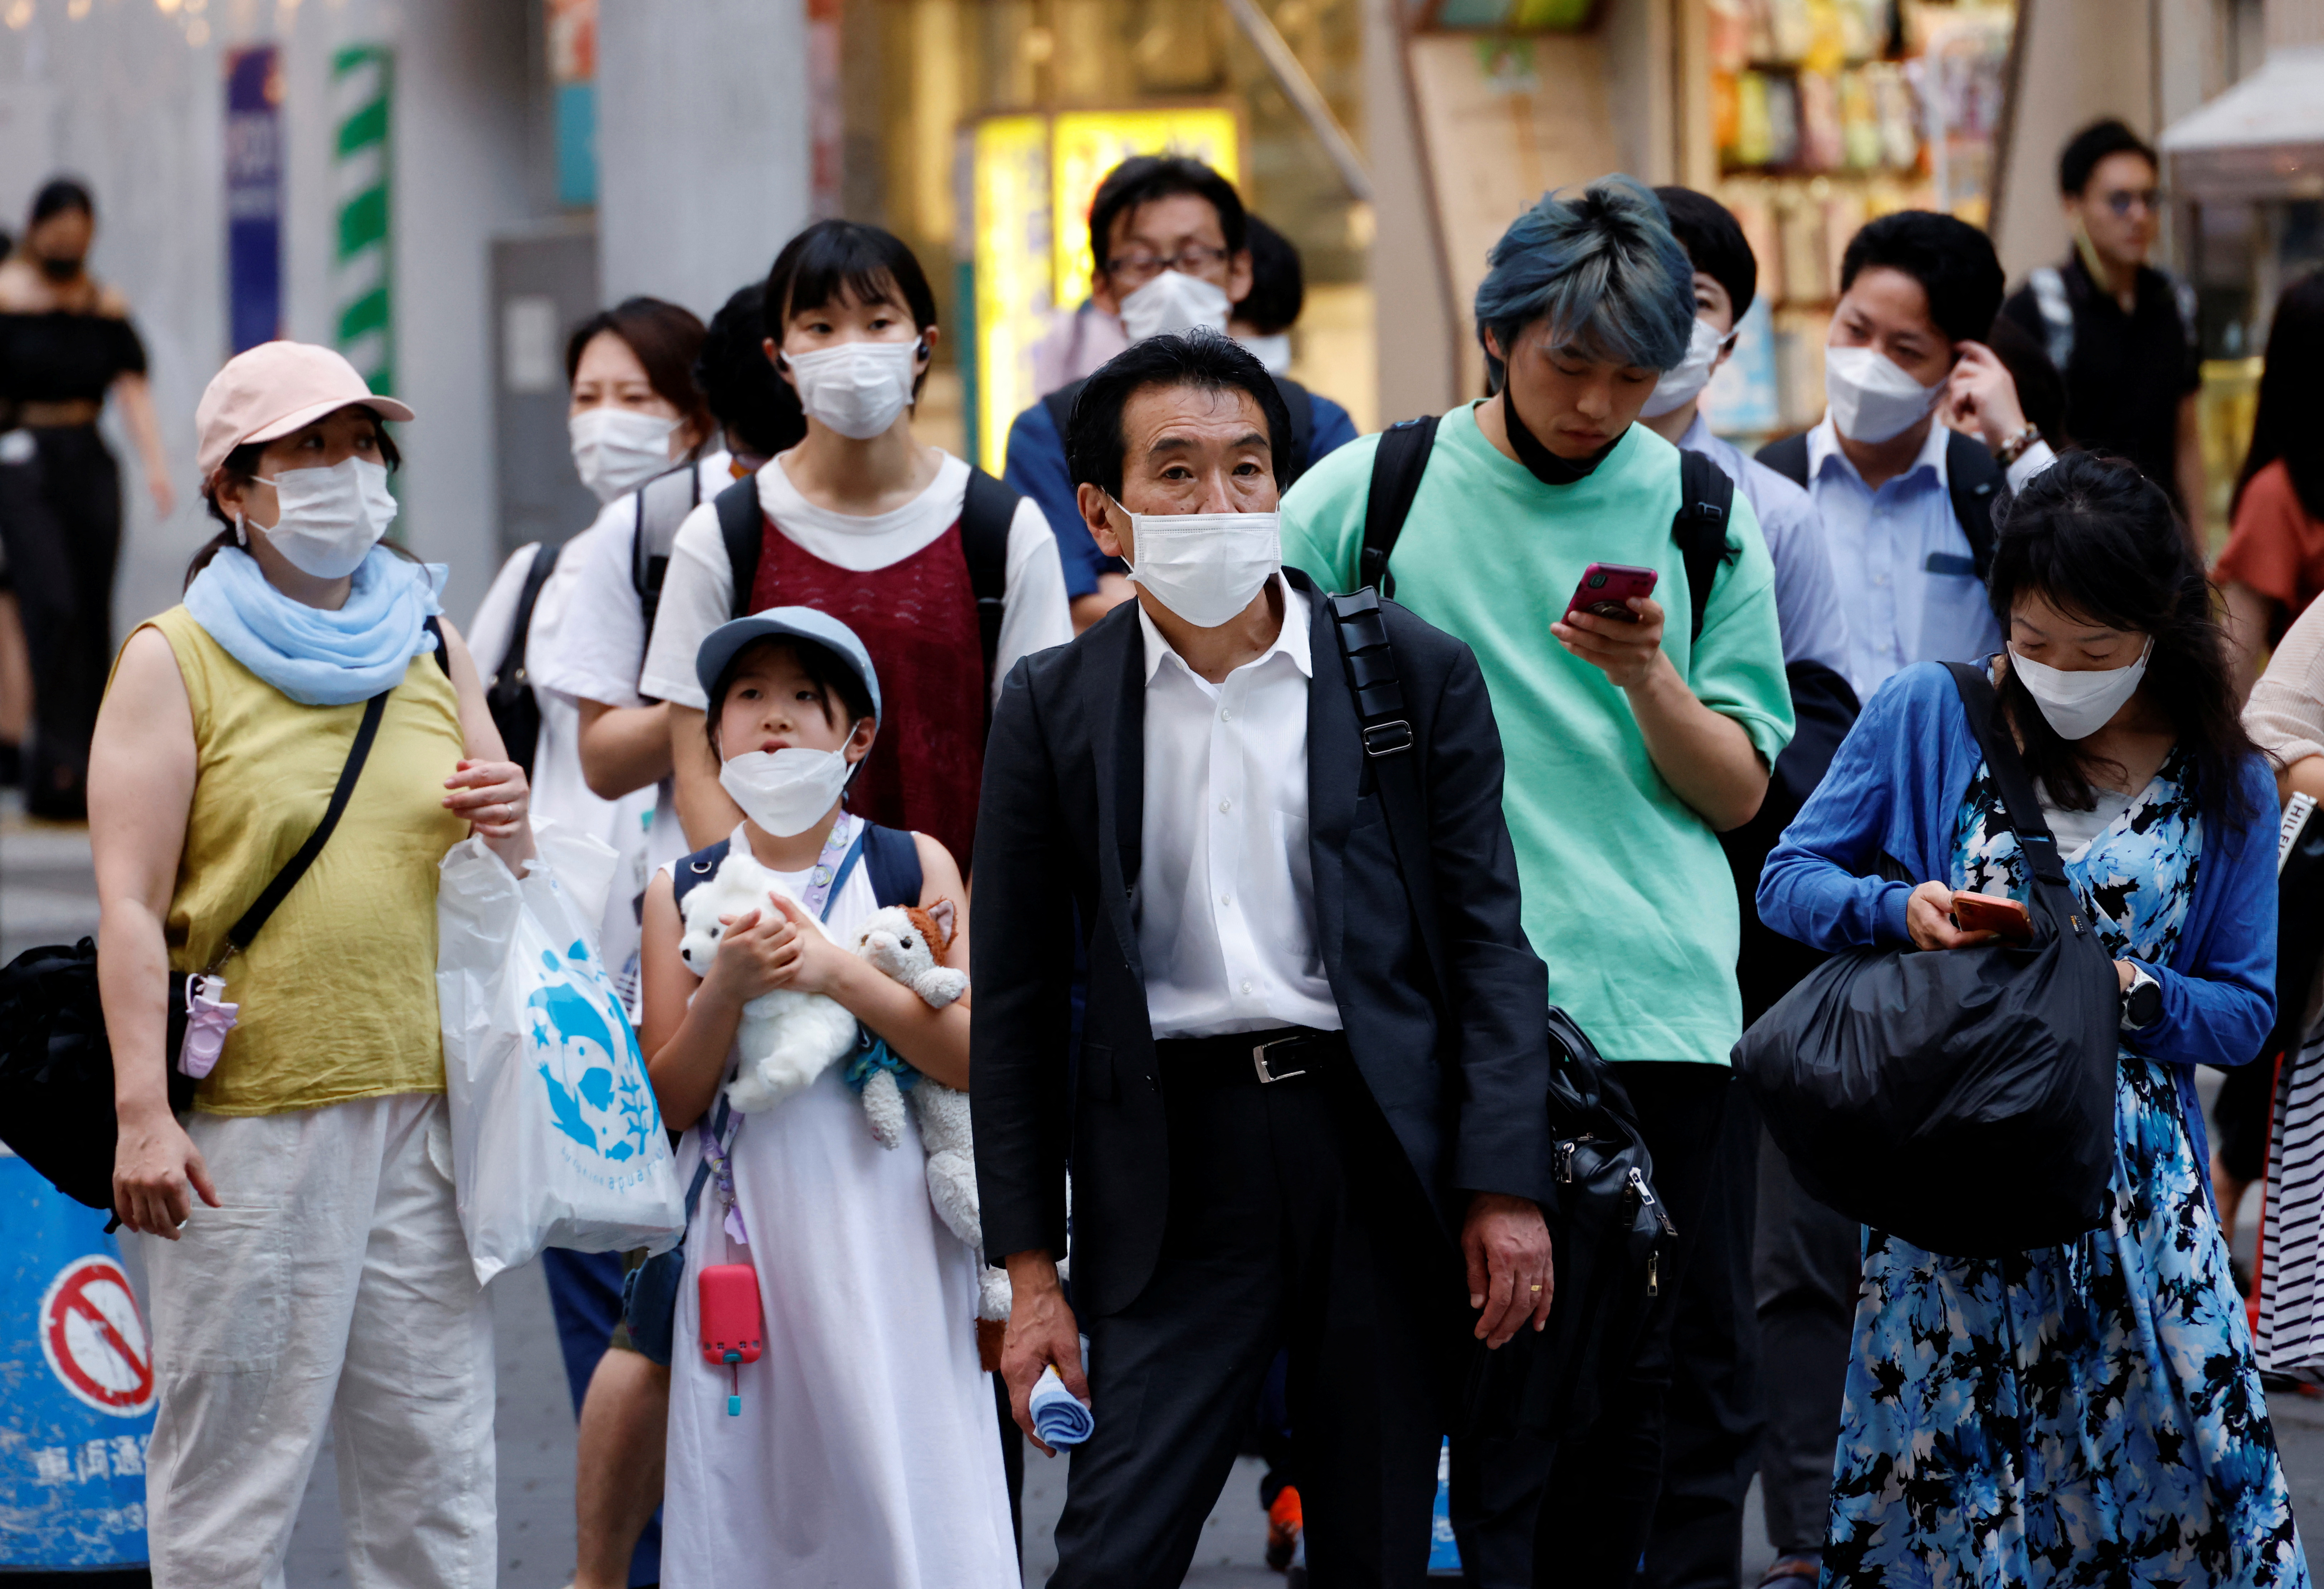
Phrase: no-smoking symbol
(94, 1341)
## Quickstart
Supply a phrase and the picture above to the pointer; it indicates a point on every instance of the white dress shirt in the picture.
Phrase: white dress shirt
(1226, 896)
(697, 591)
(1903, 561)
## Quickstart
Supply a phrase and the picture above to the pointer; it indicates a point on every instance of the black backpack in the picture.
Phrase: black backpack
(509, 697)
(986, 511)
(1973, 479)
(1297, 399)
(1608, 1230)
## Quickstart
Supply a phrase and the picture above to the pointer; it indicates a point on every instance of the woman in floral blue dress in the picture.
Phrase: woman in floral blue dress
(2090, 1413)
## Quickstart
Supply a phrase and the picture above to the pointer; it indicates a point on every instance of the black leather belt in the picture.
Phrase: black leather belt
(1251, 1058)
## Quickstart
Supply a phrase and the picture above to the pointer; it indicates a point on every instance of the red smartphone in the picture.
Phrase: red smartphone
(1990, 914)
(1606, 587)
(731, 1327)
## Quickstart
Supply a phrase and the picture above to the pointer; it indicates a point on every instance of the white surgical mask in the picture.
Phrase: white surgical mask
(856, 388)
(1274, 352)
(2078, 704)
(615, 450)
(327, 519)
(1872, 398)
(1173, 301)
(1684, 381)
(785, 792)
(1204, 567)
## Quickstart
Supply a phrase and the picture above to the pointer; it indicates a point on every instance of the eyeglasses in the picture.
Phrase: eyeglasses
(1137, 269)
(2120, 201)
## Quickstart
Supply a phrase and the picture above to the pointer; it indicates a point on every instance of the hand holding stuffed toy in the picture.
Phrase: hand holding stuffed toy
(787, 1038)
(909, 943)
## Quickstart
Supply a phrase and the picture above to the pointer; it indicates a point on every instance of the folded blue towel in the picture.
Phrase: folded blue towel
(1059, 1417)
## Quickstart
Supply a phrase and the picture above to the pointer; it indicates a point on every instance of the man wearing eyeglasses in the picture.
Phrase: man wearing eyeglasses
(2121, 332)
(1169, 252)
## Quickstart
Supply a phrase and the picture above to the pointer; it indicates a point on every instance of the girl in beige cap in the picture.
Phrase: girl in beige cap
(319, 1277)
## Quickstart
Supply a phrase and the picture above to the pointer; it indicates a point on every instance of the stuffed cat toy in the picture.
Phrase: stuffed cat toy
(909, 943)
(787, 1038)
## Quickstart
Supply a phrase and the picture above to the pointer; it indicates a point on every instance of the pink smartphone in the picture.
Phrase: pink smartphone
(1606, 587)
(731, 1329)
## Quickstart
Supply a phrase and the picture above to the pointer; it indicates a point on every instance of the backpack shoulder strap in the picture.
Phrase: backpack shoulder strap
(986, 514)
(2048, 283)
(892, 860)
(699, 867)
(743, 528)
(1788, 457)
(1388, 745)
(1060, 404)
(1397, 465)
(544, 563)
(1706, 498)
(1302, 406)
(661, 506)
(1974, 482)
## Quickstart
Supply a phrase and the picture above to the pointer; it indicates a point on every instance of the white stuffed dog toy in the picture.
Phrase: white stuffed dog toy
(909, 945)
(787, 1038)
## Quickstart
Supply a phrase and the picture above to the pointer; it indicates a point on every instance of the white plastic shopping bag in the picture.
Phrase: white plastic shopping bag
(557, 1140)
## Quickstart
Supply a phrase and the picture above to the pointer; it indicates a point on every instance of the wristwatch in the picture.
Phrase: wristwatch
(2142, 1002)
(2010, 450)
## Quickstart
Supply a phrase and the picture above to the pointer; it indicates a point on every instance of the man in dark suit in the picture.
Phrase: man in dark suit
(1281, 1130)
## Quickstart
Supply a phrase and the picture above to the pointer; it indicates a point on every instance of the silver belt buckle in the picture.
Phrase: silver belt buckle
(1259, 1061)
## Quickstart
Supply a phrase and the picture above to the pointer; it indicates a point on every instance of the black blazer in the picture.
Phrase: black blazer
(1464, 1089)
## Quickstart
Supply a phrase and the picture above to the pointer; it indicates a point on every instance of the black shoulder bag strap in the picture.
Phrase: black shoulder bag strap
(743, 528)
(1788, 457)
(1391, 751)
(1706, 496)
(238, 935)
(1397, 465)
(2019, 803)
(986, 512)
(511, 674)
(1973, 480)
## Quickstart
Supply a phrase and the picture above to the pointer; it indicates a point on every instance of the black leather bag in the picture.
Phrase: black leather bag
(1607, 1231)
(56, 1063)
(1962, 1099)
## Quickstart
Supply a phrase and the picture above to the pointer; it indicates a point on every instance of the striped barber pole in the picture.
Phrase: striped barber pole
(362, 76)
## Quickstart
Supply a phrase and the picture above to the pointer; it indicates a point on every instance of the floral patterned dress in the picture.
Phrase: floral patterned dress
(2086, 1414)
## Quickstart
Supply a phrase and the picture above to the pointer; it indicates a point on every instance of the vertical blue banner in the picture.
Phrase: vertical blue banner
(254, 196)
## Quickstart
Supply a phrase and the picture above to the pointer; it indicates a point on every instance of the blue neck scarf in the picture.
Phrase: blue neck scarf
(318, 658)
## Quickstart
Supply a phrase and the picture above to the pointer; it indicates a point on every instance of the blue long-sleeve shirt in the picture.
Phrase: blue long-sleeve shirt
(1896, 787)
(1037, 469)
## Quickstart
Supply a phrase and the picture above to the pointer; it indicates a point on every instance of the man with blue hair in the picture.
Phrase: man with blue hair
(1635, 735)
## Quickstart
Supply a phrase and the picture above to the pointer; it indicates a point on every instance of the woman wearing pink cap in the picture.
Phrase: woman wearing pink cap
(320, 1277)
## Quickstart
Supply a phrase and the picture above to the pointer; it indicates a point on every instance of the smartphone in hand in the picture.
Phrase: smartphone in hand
(1605, 588)
(1988, 913)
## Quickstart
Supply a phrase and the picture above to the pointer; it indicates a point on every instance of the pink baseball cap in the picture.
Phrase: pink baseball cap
(272, 390)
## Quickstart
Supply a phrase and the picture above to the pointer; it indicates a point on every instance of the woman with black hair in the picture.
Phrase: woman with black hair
(66, 344)
(2272, 565)
(2091, 1411)
(864, 521)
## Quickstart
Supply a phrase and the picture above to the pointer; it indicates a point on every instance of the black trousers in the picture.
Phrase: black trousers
(1577, 1513)
(60, 526)
(1807, 1271)
(1293, 1222)
(1710, 1435)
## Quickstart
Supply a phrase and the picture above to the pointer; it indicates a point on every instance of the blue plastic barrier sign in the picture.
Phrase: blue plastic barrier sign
(76, 1386)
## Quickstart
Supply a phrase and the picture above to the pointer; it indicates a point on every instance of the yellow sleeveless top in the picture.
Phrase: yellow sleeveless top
(338, 994)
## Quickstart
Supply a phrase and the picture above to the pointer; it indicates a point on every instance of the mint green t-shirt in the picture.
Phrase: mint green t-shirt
(1628, 896)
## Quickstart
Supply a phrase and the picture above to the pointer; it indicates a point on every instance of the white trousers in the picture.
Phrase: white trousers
(332, 1289)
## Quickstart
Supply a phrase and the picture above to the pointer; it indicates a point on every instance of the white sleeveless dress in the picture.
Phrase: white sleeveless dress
(867, 1453)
